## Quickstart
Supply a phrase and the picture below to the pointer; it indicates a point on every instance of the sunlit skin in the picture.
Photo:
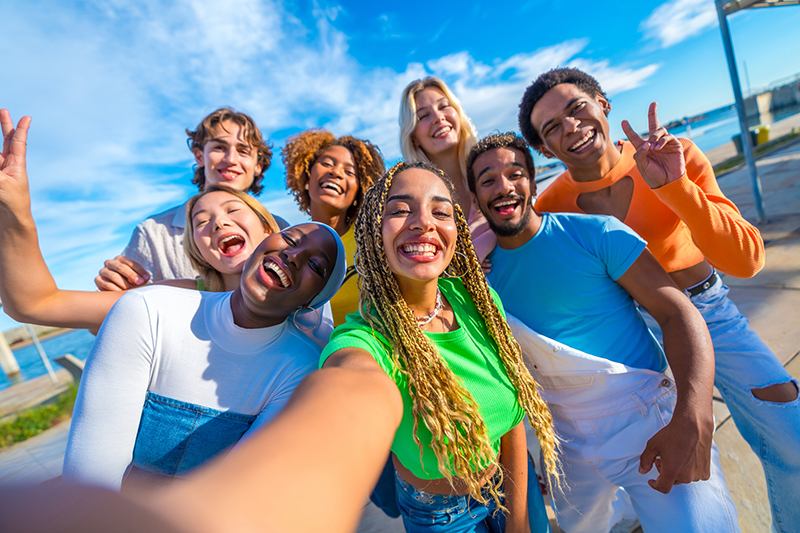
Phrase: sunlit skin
(438, 125)
(574, 128)
(284, 273)
(227, 158)
(333, 187)
(226, 231)
(419, 235)
(503, 192)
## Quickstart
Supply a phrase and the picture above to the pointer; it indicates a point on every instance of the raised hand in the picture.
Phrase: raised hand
(659, 158)
(121, 274)
(14, 196)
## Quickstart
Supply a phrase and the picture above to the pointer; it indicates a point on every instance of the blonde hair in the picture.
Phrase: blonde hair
(459, 435)
(467, 137)
(212, 278)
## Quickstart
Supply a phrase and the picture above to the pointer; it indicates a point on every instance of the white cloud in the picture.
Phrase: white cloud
(111, 89)
(676, 21)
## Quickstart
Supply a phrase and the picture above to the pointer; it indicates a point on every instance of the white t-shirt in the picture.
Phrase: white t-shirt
(181, 344)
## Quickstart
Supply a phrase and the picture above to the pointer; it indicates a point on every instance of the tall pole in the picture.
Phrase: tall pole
(747, 143)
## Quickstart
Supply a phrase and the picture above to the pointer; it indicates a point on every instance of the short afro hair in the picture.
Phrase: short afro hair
(544, 83)
(492, 142)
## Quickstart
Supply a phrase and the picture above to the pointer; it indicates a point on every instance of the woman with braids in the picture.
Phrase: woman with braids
(460, 449)
(328, 177)
(435, 129)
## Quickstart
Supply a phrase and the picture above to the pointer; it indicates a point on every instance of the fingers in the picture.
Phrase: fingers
(652, 119)
(486, 266)
(120, 274)
(14, 140)
(632, 136)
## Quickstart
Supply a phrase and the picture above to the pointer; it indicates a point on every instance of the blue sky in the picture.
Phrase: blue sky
(112, 86)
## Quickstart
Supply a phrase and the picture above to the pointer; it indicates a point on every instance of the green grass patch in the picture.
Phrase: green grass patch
(759, 150)
(31, 422)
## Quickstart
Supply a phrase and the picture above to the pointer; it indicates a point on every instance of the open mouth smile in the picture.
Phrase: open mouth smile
(231, 245)
(420, 251)
(276, 273)
(506, 205)
(584, 143)
(332, 186)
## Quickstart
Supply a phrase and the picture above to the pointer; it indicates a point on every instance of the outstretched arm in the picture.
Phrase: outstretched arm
(317, 449)
(683, 447)
(27, 288)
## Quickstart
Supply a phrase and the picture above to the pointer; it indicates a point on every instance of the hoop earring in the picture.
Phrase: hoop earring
(355, 264)
(452, 273)
(316, 322)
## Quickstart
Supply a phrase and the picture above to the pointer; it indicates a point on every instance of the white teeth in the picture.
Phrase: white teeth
(230, 238)
(580, 144)
(419, 249)
(275, 268)
(441, 132)
(332, 186)
(505, 203)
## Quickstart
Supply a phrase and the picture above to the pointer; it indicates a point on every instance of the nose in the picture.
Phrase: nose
(570, 123)
(422, 221)
(291, 254)
(231, 155)
(221, 222)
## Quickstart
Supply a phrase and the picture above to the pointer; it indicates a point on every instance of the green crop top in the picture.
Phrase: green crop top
(472, 355)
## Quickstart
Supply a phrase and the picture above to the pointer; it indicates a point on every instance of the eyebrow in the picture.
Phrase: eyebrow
(569, 104)
(223, 141)
(226, 202)
(410, 197)
(436, 102)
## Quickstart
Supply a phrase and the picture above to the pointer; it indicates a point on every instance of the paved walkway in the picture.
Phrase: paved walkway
(771, 300)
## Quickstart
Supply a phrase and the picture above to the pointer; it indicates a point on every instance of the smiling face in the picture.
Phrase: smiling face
(333, 184)
(288, 269)
(503, 190)
(226, 231)
(228, 158)
(438, 126)
(572, 125)
(419, 229)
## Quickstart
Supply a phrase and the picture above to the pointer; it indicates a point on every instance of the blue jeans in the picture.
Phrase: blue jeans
(744, 362)
(423, 511)
(175, 437)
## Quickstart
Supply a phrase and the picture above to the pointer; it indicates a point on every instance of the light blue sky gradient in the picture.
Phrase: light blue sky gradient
(111, 88)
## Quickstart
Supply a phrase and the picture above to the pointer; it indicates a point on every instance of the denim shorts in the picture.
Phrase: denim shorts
(432, 513)
(175, 437)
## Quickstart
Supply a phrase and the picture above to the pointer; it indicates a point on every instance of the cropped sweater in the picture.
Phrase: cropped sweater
(683, 222)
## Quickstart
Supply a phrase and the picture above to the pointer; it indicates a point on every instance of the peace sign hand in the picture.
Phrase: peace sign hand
(14, 196)
(659, 158)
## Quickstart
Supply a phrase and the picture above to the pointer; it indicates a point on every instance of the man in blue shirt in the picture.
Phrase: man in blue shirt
(574, 279)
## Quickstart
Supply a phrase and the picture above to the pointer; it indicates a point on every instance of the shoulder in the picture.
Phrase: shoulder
(356, 333)
(165, 220)
(163, 297)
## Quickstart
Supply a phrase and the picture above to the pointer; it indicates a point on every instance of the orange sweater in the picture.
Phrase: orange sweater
(682, 222)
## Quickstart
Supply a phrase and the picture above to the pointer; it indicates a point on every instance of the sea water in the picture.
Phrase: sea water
(77, 343)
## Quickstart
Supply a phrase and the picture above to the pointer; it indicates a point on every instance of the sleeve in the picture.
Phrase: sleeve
(108, 409)
(140, 249)
(347, 336)
(728, 241)
(619, 247)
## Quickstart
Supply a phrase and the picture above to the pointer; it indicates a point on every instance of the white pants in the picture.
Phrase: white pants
(605, 413)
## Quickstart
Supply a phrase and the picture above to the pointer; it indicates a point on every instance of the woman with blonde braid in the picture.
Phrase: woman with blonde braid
(460, 449)
(328, 176)
(435, 129)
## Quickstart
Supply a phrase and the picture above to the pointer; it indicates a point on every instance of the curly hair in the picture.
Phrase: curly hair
(302, 151)
(212, 278)
(544, 83)
(468, 135)
(498, 140)
(460, 440)
(204, 132)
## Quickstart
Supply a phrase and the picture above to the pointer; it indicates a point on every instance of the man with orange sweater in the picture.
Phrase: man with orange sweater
(665, 189)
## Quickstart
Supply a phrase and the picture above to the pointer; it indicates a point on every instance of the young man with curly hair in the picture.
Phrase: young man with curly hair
(664, 188)
(229, 151)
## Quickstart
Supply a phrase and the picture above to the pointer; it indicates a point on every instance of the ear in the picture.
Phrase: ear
(257, 171)
(604, 103)
(545, 152)
(198, 157)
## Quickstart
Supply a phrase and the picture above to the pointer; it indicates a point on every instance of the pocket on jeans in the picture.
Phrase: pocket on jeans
(426, 514)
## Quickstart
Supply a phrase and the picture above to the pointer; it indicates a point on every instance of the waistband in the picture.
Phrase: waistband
(704, 285)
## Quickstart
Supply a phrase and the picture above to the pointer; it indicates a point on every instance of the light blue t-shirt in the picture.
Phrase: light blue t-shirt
(562, 284)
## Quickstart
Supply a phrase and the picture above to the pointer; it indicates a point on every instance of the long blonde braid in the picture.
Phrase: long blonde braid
(460, 438)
